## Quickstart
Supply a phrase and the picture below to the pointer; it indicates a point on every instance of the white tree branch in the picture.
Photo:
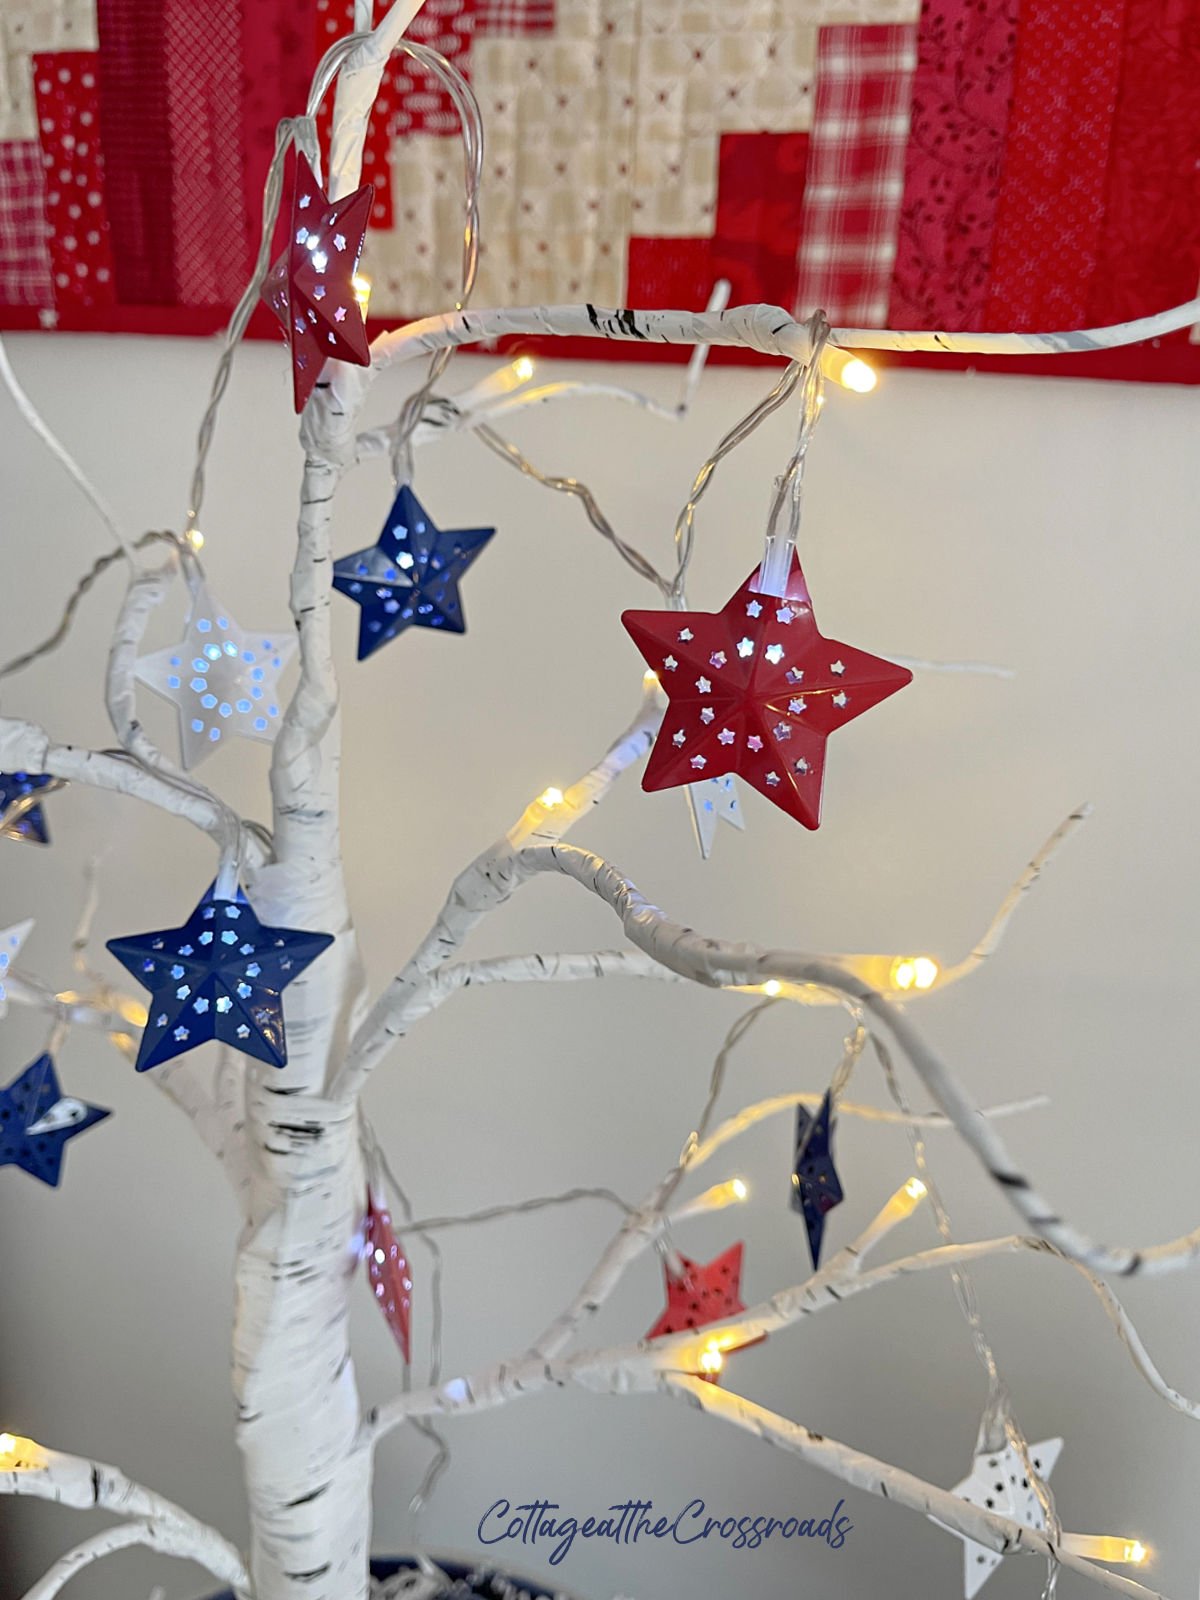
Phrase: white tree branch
(29, 1469)
(717, 963)
(485, 884)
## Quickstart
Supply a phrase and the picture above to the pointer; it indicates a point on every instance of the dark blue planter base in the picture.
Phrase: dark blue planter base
(476, 1582)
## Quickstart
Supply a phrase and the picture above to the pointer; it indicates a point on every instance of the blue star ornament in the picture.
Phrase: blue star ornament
(37, 1119)
(816, 1187)
(20, 816)
(410, 578)
(219, 977)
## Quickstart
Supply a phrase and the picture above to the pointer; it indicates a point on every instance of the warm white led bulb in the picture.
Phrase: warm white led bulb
(772, 987)
(523, 368)
(550, 798)
(740, 1189)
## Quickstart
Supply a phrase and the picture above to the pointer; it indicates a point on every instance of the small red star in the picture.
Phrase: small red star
(389, 1273)
(703, 1294)
(756, 690)
(310, 288)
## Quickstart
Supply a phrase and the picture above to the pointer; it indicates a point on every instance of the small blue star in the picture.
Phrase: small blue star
(220, 947)
(27, 822)
(36, 1120)
(816, 1187)
(410, 578)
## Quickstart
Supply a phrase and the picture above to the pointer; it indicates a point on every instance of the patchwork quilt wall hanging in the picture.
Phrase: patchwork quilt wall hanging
(957, 164)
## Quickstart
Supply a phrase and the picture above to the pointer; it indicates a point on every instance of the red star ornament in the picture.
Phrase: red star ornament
(389, 1273)
(705, 1293)
(755, 689)
(311, 288)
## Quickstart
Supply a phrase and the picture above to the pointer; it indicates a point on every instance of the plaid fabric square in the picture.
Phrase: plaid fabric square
(855, 179)
(509, 19)
(24, 252)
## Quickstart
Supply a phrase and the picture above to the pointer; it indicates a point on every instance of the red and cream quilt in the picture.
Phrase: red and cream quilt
(962, 164)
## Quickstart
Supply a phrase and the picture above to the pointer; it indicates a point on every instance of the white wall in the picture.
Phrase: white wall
(1047, 525)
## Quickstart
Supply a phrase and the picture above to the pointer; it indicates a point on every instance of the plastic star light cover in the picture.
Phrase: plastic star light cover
(410, 577)
(11, 940)
(998, 1483)
(311, 287)
(754, 689)
(219, 977)
(37, 1119)
(816, 1187)
(222, 679)
(27, 822)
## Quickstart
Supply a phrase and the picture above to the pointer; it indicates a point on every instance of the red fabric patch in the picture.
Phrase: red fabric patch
(1050, 217)
(208, 207)
(665, 273)
(1149, 251)
(277, 64)
(68, 108)
(139, 165)
(856, 171)
(24, 253)
(961, 97)
(760, 195)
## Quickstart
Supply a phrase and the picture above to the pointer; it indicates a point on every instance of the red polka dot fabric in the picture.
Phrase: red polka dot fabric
(68, 117)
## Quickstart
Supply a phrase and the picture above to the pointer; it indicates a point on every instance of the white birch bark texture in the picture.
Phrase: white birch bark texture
(290, 1139)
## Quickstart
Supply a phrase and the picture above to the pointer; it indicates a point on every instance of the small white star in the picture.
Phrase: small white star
(704, 686)
(782, 730)
(753, 609)
(181, 1034)
(773, 778)
(745, 648)
(837, 667)
(774, 654)
(679, 737)
(754, 742)
(669, 664)
(797, 706)
(698, 762)
(339, 240)
(800, 766)
(841, 698)
(707, 715)
(784, 614)
(725, 736)
(717, 659)
(795, 674)
(685, 634)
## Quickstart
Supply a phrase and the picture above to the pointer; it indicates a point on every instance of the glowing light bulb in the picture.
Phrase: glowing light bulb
(711, 1359)
(915, 1189)
(772, 987)
(362, 292)
(1136, 1552)
(914, 972)
(649, 680)
(740, 1189)
(8, 1444)
(550, 798)
(195, 538)
(523, 367)
(858, 376)
(852, 372)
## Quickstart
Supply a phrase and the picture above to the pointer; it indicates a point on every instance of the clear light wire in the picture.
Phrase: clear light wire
(34, 419)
